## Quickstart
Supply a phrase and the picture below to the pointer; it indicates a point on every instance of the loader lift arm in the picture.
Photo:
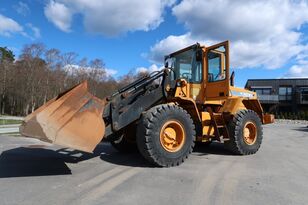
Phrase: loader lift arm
(127, 104)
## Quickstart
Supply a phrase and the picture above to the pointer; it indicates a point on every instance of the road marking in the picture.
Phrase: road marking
(108, 185)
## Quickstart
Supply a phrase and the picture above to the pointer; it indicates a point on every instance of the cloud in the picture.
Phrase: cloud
(262, 33)
(59, 14)
(150, 69)
(22, 8)
(241, 20)
(168, 45)
(300, 69)
(109, 17)
(270, 53)
(171, 44)
(8, 26)
(35, 30)
(110, 72)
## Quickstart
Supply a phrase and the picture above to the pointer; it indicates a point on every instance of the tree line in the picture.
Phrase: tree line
(39, 74)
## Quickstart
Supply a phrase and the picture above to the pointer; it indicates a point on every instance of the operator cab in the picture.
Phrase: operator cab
(206, 70)
(187, 64)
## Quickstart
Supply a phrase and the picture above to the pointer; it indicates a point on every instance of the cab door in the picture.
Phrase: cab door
(217, 71)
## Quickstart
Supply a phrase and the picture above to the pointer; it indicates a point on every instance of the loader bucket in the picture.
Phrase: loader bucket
(72, 119)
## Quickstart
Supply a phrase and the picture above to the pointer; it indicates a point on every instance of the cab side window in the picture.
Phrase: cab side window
(216, 64)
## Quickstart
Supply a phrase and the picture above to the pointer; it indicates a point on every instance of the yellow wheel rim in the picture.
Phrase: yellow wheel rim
(172, 136)
(250, 133)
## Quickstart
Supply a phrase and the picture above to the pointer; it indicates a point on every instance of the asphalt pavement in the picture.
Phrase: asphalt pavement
(33, 172)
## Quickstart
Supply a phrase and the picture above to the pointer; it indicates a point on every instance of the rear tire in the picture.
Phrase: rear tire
(245, 132)
(165, 135)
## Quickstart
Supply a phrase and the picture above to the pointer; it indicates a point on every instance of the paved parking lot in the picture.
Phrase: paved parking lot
(32, 172)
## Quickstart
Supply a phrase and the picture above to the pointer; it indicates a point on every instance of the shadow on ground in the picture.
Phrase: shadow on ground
(21, 162)
(37, 161)
(303, 129)
(136, 160)
(215, 148)
(133, 159)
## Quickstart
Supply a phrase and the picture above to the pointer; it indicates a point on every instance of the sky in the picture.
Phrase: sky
(268, 39)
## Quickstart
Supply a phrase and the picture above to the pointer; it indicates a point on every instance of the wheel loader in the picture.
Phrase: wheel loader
(163, 114)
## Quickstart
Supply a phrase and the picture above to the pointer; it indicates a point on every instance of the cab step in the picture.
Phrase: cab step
(220, 127)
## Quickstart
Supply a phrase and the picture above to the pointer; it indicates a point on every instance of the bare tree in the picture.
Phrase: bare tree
(6, 61)
(40, 74)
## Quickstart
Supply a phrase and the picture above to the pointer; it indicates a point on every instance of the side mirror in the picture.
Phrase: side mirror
(232, 78)
(166, 64)
(199, 55)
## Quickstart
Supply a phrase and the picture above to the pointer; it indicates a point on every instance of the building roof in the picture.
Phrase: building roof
(276, 79)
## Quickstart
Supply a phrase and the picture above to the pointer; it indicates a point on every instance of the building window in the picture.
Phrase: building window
(304, 94)
(262, 91)
(285, 93)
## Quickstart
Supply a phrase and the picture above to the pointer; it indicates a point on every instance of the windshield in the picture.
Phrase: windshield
(186, 66)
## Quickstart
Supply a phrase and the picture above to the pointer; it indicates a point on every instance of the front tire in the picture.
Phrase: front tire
(245, 132)
(165, 135)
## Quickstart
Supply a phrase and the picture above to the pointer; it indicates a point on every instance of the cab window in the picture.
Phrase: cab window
(186, 66)
(216, 64)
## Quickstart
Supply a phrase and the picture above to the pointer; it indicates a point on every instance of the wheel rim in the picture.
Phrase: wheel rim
(172, 136)
(250, 133)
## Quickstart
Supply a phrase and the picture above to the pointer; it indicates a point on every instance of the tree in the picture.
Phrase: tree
(6, 55)
(6, 61)
(40, 74)
(34, 71)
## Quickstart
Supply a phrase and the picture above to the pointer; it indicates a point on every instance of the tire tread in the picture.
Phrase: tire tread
(234, 144)
(145, 132)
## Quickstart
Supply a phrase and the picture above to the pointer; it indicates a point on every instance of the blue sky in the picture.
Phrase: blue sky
(268, 38)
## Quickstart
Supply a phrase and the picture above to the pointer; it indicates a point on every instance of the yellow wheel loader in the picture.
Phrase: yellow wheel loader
(162, 114)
